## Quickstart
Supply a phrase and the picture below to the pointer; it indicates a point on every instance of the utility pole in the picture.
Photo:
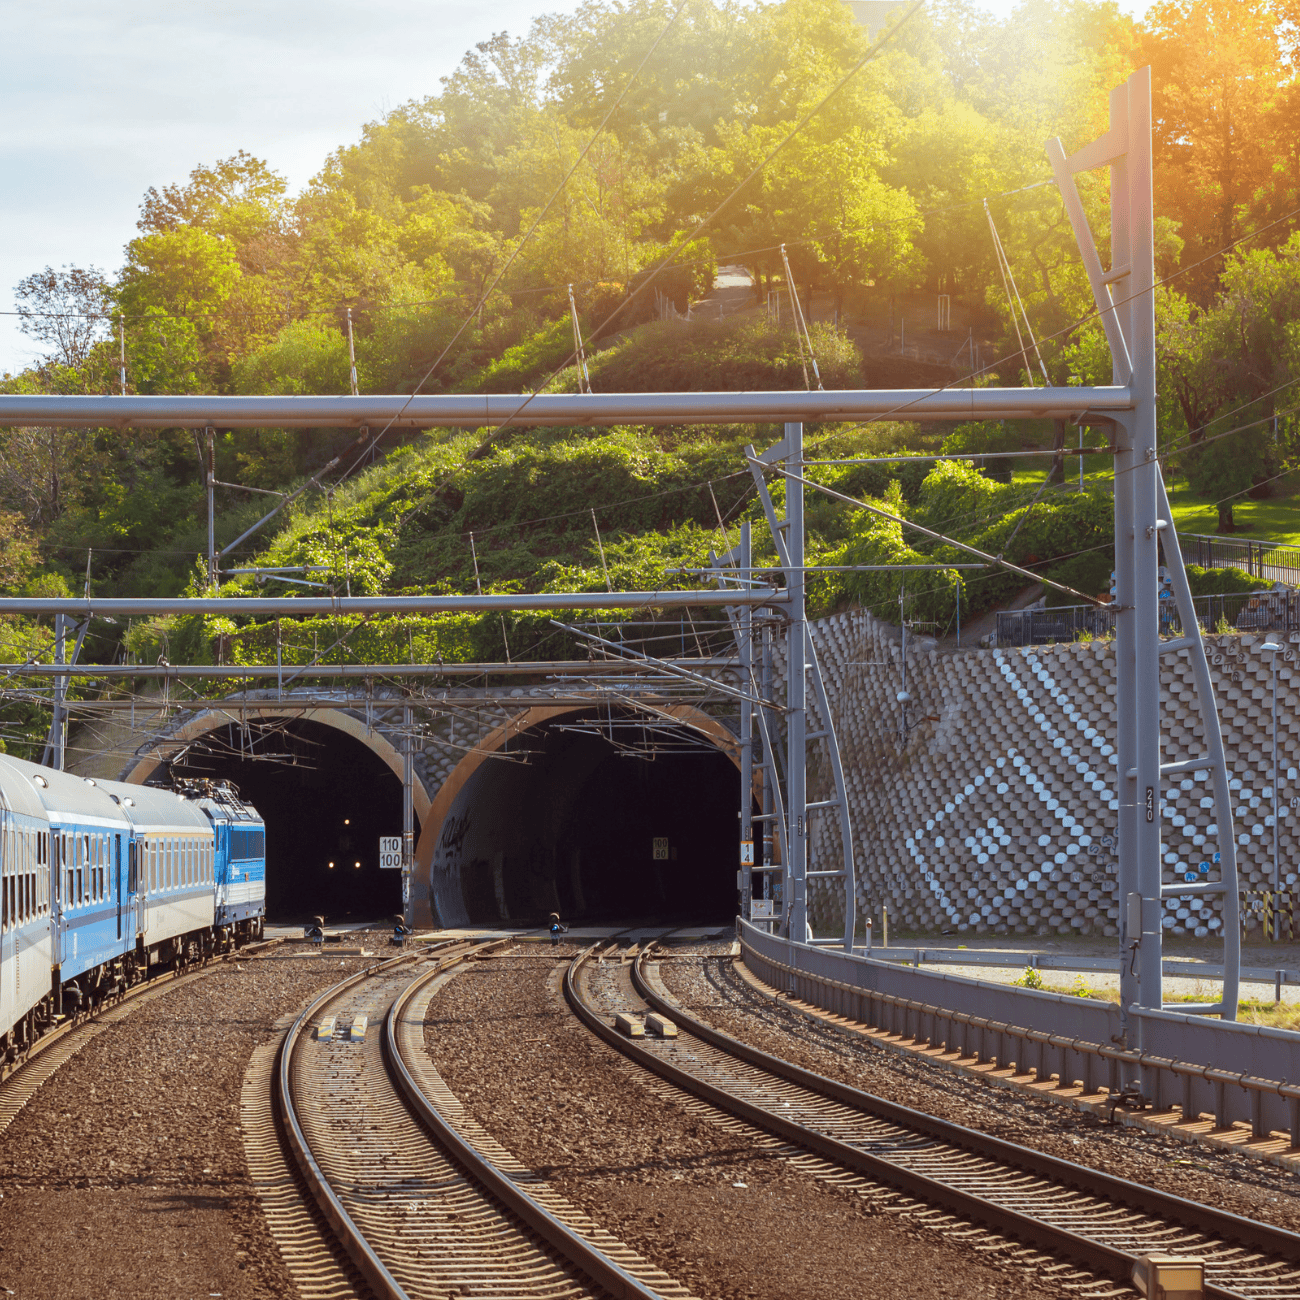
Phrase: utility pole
(746, 648)
(352, 358)
(408, 816)
(213, 583)
(60, 693)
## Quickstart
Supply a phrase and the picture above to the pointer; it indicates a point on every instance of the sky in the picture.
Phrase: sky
(101, 101)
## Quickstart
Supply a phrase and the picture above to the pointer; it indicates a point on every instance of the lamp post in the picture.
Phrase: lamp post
(1271, 649)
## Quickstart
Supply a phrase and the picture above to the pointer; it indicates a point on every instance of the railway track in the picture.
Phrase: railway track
(421, 1199)
(1098, 1221)
(22, 1078)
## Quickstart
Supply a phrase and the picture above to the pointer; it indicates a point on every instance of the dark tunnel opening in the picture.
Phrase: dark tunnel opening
(326, 799)
(597, 818)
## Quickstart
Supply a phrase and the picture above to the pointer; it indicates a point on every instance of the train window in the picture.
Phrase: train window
(103, 866)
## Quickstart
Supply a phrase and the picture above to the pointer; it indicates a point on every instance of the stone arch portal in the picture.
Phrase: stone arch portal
(543, 816)
(328, 787)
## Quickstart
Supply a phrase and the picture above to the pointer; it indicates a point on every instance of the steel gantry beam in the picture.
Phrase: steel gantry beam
(341, 606)
(482, 410)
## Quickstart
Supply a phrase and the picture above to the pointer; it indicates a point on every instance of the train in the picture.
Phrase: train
(103, 884)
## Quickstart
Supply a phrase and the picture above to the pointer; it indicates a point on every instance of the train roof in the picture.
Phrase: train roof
(60, 792)
(151, 808)
(18, 793)
(63, 795)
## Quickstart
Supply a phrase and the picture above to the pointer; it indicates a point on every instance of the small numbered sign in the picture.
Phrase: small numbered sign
(390, 852)
(661, 848)
(746, 853)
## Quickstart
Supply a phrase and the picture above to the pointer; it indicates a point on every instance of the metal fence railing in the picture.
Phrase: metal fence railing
(1248, 611)
(1260, 559)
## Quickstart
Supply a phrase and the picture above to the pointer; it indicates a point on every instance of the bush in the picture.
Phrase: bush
(718, 356)
(955, 495)
(872, 479)
(987, 435)
(520, 368)
(1223, 582)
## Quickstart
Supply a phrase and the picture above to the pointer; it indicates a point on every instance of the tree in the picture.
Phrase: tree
(239, 198)
(1223, 120)
(66, 310)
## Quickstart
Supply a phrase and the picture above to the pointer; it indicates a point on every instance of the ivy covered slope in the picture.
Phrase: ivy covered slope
(522, 509)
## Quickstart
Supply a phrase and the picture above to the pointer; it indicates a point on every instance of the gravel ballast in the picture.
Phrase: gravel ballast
(706, 983)
(125, 1174)
(687, 1191)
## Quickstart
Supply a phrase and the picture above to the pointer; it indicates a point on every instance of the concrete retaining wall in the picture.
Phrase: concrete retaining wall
(998, 811)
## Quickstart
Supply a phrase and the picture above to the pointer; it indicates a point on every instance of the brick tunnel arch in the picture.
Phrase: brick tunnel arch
(325, 810)
(572, 830)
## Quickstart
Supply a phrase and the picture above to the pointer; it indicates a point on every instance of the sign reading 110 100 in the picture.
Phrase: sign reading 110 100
(390, 852)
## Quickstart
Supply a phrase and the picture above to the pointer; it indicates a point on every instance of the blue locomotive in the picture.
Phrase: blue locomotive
(100, 881)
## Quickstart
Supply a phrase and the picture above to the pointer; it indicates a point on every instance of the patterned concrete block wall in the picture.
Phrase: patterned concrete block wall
(998, 811)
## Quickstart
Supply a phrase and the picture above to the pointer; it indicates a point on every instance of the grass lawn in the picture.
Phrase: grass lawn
(1276, 519)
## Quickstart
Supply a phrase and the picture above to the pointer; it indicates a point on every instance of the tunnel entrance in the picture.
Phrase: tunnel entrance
(596, 816)
(326, 799)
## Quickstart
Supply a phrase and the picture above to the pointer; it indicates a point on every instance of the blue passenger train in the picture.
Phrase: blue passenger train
(100, 881)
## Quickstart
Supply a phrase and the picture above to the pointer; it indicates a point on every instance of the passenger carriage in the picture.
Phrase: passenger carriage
(25, 932)
(99, 880)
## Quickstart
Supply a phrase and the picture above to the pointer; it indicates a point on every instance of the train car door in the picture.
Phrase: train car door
(135, 886)
(57, 884)
(117, 882)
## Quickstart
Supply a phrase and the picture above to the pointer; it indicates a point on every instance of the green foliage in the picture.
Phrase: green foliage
(1223, 582)
(719, 356)
(1030, 979)
(529, 362)
(987, 435)
(871, 478)
(303, 358)
(957, 495)
(234, 284)
(1225, 469)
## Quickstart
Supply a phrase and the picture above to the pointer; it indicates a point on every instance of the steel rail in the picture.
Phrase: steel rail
(1277, 1241)
(476, 410)
(353, 1240)
(1096, 1255)
(572, 1245)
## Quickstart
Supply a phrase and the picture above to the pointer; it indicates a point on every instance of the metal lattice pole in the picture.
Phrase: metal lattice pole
(796, 689)
(746, 653)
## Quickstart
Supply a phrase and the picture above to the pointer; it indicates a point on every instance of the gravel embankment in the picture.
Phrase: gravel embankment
(687, 1193)
(125, 1175)
(706, 984)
